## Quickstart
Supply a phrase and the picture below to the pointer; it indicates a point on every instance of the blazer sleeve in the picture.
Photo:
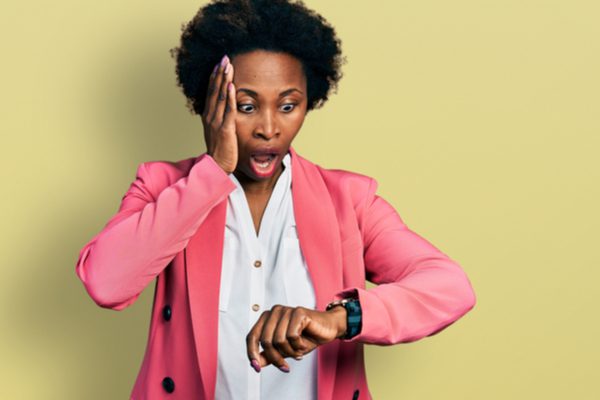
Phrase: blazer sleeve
(420, 291)
(148, 231)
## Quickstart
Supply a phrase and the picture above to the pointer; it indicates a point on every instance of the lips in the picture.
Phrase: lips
(265, 150)
(264, 154)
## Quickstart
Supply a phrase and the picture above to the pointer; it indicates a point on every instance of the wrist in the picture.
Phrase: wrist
(352, 324)
(340, 318)
(222, 165)
(354, 318)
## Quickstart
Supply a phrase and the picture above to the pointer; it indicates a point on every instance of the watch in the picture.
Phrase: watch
(353, 316)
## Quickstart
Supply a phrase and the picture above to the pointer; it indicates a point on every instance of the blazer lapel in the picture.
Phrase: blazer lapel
(319, 240)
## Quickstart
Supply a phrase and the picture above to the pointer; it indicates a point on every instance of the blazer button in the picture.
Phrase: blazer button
(355, 395)
(168, 384)
(166, 312)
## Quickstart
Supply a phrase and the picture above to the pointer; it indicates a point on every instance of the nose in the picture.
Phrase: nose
(267, 126)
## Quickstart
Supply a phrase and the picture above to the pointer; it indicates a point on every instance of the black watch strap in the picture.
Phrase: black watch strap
(353, 316)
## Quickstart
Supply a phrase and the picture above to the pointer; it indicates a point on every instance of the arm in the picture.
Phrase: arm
(146, 233)
(420, 291)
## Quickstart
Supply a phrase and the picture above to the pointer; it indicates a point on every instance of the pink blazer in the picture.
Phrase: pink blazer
(170, 226)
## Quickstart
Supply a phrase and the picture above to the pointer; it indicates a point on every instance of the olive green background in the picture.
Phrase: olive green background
(479, 119)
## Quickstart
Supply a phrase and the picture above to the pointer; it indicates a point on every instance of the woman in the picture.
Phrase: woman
(254, 246)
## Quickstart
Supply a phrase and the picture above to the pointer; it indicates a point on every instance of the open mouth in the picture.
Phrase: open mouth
(263, 160)
(263, 164)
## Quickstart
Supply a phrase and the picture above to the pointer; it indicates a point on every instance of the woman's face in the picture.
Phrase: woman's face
(271, 106)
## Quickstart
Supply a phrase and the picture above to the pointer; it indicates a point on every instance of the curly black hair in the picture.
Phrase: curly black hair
(238, 26)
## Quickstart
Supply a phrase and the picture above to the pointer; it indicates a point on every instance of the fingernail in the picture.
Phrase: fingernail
(224, 60)
(227, 68)
(255, 365)
(215, 68)
(284, 368)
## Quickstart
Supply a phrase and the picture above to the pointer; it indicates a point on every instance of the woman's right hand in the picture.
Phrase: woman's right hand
(219, 115)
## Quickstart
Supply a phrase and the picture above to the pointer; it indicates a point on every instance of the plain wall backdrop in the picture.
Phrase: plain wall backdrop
(480, 120)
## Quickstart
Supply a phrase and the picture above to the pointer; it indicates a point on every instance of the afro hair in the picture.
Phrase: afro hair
(238, 26)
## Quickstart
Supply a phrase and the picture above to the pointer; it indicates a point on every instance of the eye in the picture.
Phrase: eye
(293, 105)
(245, 110)
(244, 107)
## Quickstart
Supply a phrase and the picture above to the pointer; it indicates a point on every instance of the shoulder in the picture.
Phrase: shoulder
(351, 193)
(356, 186)
(344, 177)
(337, 177)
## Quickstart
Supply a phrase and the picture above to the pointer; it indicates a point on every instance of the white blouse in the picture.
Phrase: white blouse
(257, 273)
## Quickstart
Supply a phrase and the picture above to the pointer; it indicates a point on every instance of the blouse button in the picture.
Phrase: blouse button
(255, 307)
(257, 263)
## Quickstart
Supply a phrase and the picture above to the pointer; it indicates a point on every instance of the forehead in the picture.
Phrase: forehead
(264, 71)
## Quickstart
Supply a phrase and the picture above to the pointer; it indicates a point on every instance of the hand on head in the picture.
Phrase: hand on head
(219, 115)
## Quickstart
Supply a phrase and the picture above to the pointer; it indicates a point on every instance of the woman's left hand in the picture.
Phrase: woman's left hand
(292, 332)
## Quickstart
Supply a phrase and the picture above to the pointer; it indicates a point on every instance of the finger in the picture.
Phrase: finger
(298, 321)
(309, 345)
(266, 338)
(210, 89)
(222, 95)
(253, 340)
(214, 91)
(231, 109)
(280, 336)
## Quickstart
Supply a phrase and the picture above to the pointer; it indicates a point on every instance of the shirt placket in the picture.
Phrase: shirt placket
(257, 258)
(256, 263)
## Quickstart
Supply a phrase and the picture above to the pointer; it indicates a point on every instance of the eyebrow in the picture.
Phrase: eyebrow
(282, 94)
